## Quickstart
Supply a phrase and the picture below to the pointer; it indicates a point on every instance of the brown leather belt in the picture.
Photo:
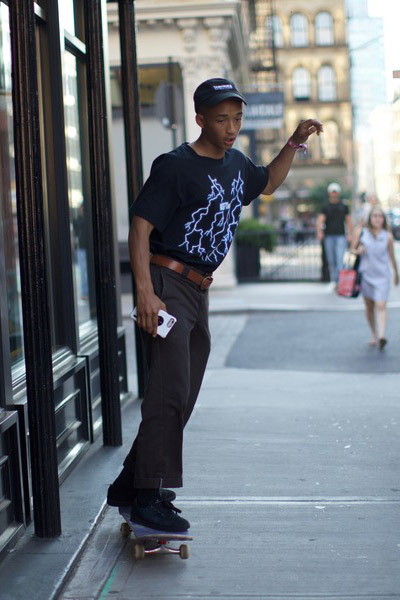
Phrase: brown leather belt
(203, 281)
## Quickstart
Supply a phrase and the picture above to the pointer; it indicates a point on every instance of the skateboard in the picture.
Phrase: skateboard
(151, 541)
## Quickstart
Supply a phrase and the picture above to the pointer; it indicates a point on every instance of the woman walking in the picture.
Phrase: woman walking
(375, 245)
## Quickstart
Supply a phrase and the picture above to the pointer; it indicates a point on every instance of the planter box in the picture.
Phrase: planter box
(248, 265)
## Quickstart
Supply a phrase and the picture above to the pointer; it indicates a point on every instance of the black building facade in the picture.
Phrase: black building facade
(62, 345)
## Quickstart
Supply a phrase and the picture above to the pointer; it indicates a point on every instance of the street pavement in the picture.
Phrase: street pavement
(291, 461)
(291, 467)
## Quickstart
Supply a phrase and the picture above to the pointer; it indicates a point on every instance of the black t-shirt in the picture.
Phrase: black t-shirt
(194, 203)
(335, 218)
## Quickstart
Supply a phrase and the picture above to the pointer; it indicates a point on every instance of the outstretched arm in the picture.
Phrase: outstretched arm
(393, 260)
(279, 167)
(148, 304)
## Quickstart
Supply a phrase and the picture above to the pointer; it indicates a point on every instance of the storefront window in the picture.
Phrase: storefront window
(79, 208)
(71, 17)
(8, 205)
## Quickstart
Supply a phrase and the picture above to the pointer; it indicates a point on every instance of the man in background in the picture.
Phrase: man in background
(334, 223)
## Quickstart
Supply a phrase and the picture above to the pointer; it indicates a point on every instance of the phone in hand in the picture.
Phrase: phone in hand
(165, 322)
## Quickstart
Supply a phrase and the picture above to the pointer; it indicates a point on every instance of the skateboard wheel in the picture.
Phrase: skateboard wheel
(139, 552)
(125, 530)
(184, 551)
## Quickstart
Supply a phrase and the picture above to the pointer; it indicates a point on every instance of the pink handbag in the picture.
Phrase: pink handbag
(349, 283)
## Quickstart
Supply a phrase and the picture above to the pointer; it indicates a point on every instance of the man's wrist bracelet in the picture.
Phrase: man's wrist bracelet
(291, 143)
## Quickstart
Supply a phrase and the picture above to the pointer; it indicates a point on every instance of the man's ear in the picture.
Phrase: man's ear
(200, 120)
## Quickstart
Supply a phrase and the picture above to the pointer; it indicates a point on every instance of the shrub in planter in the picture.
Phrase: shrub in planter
(250, 232)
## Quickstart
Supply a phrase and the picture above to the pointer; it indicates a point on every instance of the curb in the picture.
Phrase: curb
(261, 308)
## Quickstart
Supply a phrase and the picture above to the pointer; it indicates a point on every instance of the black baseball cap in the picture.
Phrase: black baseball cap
(213, 91)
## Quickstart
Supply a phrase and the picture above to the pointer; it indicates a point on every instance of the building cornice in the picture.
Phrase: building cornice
(224, 20)
(157, 12)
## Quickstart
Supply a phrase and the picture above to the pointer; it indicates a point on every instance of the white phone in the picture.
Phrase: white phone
(165, 322)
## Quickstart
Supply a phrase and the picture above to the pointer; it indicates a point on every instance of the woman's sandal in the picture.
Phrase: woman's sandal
(382, 343)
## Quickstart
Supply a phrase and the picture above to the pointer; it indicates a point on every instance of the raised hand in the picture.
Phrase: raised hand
(306, 128)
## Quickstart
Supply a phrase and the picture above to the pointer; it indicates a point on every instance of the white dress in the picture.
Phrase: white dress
(375, 266)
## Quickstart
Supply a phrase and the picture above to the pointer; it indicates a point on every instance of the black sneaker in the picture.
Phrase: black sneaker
(160, 515)
(121, 496)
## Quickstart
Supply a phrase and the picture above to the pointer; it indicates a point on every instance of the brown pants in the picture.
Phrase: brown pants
(175, 367)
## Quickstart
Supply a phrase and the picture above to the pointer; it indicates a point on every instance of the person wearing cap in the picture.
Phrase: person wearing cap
(333, 224)
(183, 224)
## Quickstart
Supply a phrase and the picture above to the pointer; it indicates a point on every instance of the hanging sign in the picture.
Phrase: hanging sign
(264, 110)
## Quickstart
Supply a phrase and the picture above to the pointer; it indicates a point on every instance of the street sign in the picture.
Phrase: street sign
(264, 110)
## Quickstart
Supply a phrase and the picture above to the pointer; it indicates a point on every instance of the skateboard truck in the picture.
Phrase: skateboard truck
(151, 541)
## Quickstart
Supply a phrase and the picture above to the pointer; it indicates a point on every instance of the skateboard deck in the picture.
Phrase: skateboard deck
(152, 541)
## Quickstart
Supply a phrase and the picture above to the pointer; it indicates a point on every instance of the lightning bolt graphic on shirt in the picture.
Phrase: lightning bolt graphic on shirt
(209, 233)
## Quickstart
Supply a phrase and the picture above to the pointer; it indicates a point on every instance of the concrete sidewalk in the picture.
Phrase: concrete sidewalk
(289, 495)
(291, 473)
(291, 482)
(287, 296)
(258, 297)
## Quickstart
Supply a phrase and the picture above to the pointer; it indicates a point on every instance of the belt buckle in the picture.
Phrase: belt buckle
(203, 286)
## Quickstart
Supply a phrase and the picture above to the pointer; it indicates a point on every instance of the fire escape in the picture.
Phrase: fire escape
(265, 143)
(262, 45)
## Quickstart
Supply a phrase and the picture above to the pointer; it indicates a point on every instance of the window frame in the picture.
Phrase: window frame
(17, 367)
(326, 140)
(274, 34)
(299, 35)
(325, 83)
(305, 82)
(67, 332)
(322, 30)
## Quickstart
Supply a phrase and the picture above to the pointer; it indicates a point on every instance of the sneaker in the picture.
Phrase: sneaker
(122, 496)
(160, 515)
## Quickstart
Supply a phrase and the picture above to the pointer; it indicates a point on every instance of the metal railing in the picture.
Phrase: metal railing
(297, 255)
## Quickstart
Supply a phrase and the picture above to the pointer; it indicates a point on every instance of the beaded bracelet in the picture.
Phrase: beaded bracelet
(297, 146)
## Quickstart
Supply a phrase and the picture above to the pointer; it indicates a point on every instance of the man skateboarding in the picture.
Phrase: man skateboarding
(183, 224)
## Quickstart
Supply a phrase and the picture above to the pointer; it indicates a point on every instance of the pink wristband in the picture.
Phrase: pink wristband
(297, 146)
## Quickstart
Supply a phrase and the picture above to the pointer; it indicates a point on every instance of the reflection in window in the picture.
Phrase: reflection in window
(298, 30)
(79, 218)
(8, 208)
(301, 84)
(273, 27)
(326, 84)
(330, 141)
(67, 17)
(324, 29)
